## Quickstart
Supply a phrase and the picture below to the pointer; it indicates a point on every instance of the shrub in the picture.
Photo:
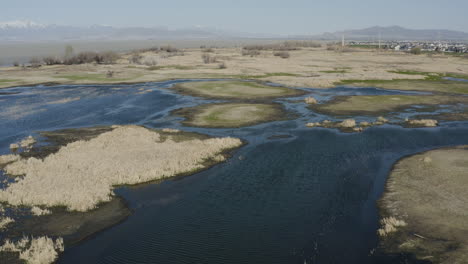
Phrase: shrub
(331, 47)
(207, 58)
(135, 58)
(151, 62)
(282, 54)
(251, 53)
(110, 74)
(107, 57)
(35, 62)
(50, 60)
(168, 48)
(222, 65)
(208, 50)
(16, 64)
(416, 50)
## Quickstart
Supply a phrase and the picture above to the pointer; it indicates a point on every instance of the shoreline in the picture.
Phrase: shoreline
(415, 238)
(76, 226)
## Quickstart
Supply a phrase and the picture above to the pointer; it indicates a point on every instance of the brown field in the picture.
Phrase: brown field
(307, 67)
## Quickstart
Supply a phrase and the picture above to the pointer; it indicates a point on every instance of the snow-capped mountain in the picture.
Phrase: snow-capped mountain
(20, 24)
(31, 31)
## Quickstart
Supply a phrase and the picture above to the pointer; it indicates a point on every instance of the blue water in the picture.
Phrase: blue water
(309, 198)
(456, 79)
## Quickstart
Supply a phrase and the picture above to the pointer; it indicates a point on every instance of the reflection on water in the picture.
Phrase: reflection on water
(308, 198)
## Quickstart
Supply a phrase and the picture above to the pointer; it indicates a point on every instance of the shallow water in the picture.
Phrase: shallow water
(309, 198)
(456, 79)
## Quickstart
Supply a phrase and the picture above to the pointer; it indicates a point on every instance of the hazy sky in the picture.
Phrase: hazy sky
(256, 16)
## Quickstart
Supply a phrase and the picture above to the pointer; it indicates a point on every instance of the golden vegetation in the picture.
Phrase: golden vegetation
(82, 174)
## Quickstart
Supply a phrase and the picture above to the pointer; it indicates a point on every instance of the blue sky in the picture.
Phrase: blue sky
(256, 16)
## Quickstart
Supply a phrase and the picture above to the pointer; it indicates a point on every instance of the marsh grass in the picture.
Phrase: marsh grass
(378, 104)
(231, 115)
(82, 174)
(235, 90)
(35, 250)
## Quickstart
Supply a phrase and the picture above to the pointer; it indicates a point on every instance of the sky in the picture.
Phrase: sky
(255, 16)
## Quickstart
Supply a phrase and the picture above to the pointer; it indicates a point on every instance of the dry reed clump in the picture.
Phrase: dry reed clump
(39, 211)
(41, 250)
(27, 142)
(5, 221)
(310, 100)
(83, 173)
(423, 122)
(389, 225)
(312, 124)
(348, 123)
(14, 146)
(170, 130)
(4, 159)
(382, 119)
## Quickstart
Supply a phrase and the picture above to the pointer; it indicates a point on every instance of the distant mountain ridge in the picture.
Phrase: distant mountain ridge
(395, 33)
(32, 31)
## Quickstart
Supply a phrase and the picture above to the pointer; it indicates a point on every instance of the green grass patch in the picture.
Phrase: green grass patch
(231, 115)
(177, 67)
(2, 81)
(433, 82)
(235, 90)
(377, 104)
(93, 77)
(266, 75)
(334, 71)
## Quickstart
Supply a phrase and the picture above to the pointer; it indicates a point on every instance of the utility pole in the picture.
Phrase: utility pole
(380, 42)
(342, 41)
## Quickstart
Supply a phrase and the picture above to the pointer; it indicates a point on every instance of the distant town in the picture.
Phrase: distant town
(427, 46)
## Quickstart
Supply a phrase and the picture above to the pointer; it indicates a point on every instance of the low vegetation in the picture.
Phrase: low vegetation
(207, 58)
(430, 82)
(282, 54)
(230, 115)
(234, 90)
(427, 192)
(82, 174)
(377, 104)
(35, 250)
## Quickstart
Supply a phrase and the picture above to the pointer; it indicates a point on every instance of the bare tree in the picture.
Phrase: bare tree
(35, 62)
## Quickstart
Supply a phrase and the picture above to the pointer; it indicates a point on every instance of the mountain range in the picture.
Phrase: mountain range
(31, 31)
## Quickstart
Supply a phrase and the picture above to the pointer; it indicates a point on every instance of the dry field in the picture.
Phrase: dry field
(307, 67)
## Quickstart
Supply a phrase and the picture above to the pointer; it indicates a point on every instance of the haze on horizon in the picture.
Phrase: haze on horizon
(261, 16)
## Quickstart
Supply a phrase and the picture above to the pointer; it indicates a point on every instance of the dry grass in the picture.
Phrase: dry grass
(39, 211)
(390, 225)
(231, 114)
(423, 123)
(304, 64)
(428, 190)
(377, 104)
(5, 221)
(310, 100)
(40, 250)
(82, 174)
(235, 90)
